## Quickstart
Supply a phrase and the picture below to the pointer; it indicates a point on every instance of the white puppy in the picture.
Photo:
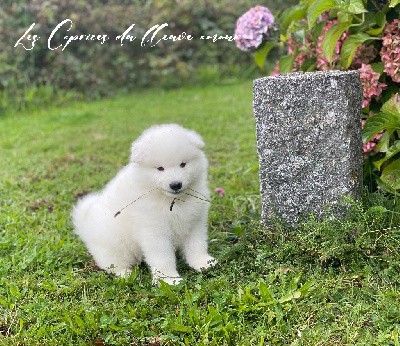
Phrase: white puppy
(155, 205)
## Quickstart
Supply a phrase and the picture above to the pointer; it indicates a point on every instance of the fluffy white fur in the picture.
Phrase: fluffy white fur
(151, 228)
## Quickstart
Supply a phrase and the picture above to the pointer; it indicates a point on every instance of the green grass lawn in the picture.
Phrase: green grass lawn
(333, 282)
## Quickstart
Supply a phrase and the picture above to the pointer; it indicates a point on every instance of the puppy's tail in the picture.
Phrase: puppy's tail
(82, 210)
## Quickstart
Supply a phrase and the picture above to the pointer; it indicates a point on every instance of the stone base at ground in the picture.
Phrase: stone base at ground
(308, 128)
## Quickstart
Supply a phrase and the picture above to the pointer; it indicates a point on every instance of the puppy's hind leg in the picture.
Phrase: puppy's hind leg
(113, 261)
(98, 229)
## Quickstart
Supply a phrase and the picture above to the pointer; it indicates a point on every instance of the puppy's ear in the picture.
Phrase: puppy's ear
(195, 139)
(137, 153)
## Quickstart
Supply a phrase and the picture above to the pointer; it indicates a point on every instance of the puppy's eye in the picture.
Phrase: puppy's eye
(183, 164)
(160, 168)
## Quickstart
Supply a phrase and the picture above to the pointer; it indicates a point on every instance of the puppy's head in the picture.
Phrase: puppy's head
(170, 158)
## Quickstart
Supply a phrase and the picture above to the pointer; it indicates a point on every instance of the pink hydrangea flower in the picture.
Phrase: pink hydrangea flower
(323, 63)
(370, 146)
(300, 58)
(390, 52)
(370, 83)
(364, 55)
(253, 27)
(275, 71)
(305, 50)
(220, 191)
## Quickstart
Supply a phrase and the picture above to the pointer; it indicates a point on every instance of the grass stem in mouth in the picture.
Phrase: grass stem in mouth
(119, 211)
(202, 199)
(206, 199)
(172, 204)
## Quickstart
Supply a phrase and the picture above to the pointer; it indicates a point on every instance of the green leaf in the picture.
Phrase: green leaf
(168, 292)
(262, 52)
(180, 328)
(394, 3)
(350, 6)
(350, 45)
(290, 296)
(79, 322)
(307, 286)
(391, 175)
(331, 38)
(356, 7)
(286, 63)
(316, 9)
(248, 295)
(265, 293)
(14, 291)
(383, 186)
(292, 14)
(387, 120)
(378, 67)
(390, 152)
(392, 107)
(344, 17)
(309, 66)
(380, 21)
(384, 142)
(376, 210)
(378, 123)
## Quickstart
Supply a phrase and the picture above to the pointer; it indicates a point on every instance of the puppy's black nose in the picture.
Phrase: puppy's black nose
(175, 186)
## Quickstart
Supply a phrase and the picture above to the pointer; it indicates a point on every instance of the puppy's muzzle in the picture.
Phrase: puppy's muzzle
(175, 186)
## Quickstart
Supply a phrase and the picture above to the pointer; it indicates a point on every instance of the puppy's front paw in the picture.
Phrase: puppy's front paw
(204, 263)
(121, 272)
(169, 279)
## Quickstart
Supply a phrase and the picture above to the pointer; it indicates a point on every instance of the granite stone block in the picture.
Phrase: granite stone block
(308, 128)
